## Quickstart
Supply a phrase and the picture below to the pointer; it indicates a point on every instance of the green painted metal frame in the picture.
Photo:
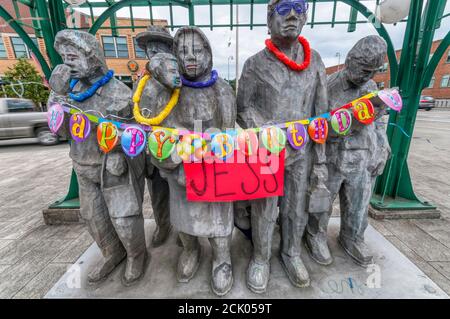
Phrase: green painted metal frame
(393, 189)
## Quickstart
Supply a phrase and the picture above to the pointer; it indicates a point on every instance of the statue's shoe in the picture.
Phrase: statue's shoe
(160, 235)
(295, 270)
(188, 263)
(105, 267)
(222, 279)
(357, 250)
(258, 276)
(317, 247)
(135, 268)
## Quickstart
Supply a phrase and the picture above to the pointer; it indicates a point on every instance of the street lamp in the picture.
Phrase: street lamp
(338, 55)
(230, 58)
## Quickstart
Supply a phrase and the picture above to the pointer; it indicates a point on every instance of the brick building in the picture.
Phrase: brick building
(121, 52)
(439, 87)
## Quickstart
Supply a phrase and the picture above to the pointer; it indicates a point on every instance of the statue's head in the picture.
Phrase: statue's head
(81, 52)
(193, 51)
(164, 68)
(365, 59)
(156, 39)
(286, 18)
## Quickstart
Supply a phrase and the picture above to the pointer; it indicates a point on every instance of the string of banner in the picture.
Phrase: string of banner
(192, 146)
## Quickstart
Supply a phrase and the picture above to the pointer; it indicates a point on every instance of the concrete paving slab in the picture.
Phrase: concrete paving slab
(399, 277)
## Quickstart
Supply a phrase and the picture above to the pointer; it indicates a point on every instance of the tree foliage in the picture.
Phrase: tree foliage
(21, 74)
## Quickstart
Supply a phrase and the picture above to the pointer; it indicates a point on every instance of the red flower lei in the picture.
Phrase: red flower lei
(290, 63)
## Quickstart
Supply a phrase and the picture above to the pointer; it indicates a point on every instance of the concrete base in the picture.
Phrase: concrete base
(60, 216)
(404, 214)
(397, 276)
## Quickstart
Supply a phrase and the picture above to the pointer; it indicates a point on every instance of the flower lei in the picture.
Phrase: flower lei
(204, 84)
(82, 96)
(162, 115)
(290, 63)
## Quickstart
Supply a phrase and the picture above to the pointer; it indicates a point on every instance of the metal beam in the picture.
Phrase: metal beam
(27, 40)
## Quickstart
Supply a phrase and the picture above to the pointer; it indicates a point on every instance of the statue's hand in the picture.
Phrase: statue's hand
(319, 175)
(60, 79)
(116, 164)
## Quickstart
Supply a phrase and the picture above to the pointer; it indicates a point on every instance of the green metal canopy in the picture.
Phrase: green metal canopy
(411, 74)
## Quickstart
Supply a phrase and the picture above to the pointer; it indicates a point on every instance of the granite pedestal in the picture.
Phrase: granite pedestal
(396, 275)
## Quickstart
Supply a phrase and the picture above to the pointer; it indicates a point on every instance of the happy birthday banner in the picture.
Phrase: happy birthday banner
(191, 146)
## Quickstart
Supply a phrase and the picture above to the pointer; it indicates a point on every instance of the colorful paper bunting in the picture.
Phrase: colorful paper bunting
(341, 121)
(273, 139)
(364, 111)
(133, 140)
(80, 127)
(55, 117)
(222, 146)
(107, 136)
(247, 142)
(318, 130)
(392, 99)
(297, 136)
(161, 143)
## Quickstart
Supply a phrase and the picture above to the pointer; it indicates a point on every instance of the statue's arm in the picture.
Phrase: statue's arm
(319, 173)
(227, 107)
(247, 112)
(59, 84)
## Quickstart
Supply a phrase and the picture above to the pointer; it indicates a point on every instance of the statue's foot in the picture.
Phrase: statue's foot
(258, 276)
(222, 279)
(357, 250)
(105, 267)
(295, 270)
(160, 235)
(135, 269)
(317, 247)
(188, 263)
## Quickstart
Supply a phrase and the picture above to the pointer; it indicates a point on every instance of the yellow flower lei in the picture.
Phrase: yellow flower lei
(161, 116)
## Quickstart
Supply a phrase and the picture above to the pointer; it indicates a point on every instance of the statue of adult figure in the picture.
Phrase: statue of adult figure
(275, 91)
(354, 160)
(208, 99)
(110, 185)
(156, 39)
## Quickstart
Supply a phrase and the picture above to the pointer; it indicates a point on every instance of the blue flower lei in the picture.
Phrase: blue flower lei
(82, 96)
(204, 84)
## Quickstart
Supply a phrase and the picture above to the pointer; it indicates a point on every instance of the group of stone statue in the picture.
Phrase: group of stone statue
(270, 91)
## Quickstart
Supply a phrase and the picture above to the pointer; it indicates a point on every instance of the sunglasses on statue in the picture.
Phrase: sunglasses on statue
(285, 7)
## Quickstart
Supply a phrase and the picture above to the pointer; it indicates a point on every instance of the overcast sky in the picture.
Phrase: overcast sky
(326, 40)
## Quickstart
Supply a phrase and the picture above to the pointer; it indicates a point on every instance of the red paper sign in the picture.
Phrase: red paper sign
(238, 178)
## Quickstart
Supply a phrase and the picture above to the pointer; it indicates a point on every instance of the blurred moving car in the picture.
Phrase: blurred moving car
(426, 102)
(20, 118)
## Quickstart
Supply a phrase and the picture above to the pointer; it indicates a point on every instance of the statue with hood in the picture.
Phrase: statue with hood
(355, 160)
(208, 100)
(110, 185)
(156, 39)
(286, 81)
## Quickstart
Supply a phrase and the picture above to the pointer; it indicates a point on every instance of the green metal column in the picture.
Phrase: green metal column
(393, 190)
(47, 21)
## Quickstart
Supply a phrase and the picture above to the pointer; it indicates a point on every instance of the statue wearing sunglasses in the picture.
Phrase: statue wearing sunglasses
(283, 82)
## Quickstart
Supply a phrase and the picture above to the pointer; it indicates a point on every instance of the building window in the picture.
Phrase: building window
(448, 57)
(445, 81)
(2, 49)
(139, 53)
(384, 68)
(433, 79)
(380, 85)
(20, 49)
(115, 47)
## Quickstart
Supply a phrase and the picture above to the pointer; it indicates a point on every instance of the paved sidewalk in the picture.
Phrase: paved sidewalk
(34, 256)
